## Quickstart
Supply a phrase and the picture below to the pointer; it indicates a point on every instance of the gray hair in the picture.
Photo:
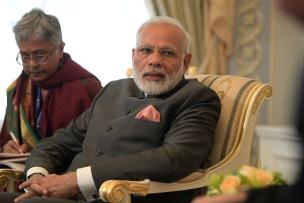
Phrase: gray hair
(38, 24)
(169, 21)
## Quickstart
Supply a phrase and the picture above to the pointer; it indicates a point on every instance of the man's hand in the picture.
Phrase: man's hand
(234, 198)
(60, 186)
(33, 185)
(12, 147)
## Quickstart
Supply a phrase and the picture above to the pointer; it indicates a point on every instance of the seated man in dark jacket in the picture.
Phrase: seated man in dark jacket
(158, 126)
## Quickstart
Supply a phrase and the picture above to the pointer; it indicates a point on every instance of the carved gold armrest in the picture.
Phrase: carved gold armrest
(119, 191)
(10, 179)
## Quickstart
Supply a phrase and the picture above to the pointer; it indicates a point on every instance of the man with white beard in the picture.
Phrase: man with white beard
(158, 126)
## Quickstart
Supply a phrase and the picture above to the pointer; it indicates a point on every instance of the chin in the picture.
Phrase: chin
(38, 79)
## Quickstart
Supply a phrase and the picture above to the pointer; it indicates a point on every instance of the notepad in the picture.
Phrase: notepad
(13, 161)
(4, 155)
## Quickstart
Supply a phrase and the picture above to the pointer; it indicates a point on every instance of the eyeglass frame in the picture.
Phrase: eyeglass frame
(165, 52)
(34, 58)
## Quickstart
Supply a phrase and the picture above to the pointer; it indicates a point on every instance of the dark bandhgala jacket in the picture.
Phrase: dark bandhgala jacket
(116, 145)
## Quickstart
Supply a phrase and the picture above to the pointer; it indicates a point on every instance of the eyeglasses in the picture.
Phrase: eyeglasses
(25, 59)
(166, 53)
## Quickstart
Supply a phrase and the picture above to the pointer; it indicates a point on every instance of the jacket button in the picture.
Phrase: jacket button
(109, 128)
(98, 152)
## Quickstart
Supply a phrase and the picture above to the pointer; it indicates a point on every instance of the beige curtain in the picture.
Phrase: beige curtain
(210, 24)
(219, 39)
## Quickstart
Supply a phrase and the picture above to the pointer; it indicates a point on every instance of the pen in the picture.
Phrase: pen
(15, 140)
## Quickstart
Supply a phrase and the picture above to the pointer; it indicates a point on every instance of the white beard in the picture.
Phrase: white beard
(157, 87)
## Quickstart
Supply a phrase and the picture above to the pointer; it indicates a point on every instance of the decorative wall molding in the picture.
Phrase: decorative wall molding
(248, 29)
(280, 150)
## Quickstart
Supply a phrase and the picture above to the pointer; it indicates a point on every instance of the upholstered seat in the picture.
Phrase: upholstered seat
(241, 99)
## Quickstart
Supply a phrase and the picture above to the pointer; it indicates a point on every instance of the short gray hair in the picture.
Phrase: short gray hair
(40, 25)
(166, 20)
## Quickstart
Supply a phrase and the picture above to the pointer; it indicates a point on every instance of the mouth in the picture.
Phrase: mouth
(154, 76)
(36, 75)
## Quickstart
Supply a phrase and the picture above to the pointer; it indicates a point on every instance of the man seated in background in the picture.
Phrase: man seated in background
(157, 125)
(51, 90)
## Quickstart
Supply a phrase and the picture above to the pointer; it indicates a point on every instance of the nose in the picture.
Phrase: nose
(32, 64)
(155, 59)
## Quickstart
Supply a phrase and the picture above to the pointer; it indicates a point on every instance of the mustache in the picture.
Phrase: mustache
(34, 72)
(154, 73)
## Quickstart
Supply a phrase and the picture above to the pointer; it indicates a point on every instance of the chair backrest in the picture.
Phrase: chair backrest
(240, 101)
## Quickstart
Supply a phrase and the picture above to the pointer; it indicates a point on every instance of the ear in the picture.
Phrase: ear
(61, 48)
(133, 52)
(187, 60)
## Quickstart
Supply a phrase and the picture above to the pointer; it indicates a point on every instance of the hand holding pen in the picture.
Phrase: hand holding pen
(13, 146)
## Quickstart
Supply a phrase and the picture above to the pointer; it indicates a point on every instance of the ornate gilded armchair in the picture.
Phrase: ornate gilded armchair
(241, 99)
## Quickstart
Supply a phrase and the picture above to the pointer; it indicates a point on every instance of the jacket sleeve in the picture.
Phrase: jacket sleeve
(57, 152)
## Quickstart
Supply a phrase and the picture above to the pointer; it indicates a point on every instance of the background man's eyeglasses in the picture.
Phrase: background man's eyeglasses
(25, 59)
